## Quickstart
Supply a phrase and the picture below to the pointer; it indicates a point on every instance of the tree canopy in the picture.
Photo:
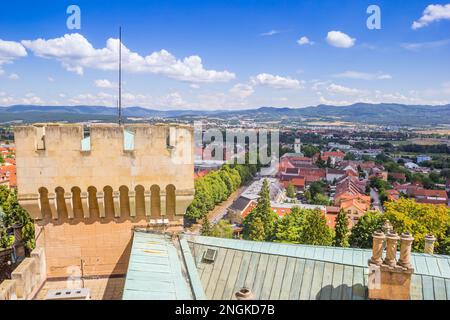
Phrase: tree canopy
(262, 213)
(361, 235)
(12, 213)
(406, 215)
(341, 230)
(290, 191)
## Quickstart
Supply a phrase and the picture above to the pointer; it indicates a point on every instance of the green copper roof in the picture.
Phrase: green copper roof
(162, 267)
(301, 272)
(156, 269)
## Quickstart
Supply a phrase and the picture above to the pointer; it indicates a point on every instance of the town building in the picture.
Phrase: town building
(333, 175)
(423, 158)
(431, 196)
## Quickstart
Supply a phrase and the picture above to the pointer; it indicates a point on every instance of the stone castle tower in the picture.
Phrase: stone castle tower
(87, 187)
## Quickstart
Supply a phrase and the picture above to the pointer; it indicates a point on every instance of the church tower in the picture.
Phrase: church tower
(297, 145)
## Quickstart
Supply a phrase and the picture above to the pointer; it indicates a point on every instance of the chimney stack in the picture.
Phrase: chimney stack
(244, 294)
(377, 248)
(389, 280)
(429, 243)
(406, 241)
(391, 249)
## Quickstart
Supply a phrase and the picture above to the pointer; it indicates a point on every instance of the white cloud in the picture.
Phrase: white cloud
(29, 98)
(174, 99)
(167, 101)
(11, 50)
(323, 100)
(340, 40)
(194, 86)
(384, 77)
(14, 76)
(432, 13)
(270, 33)
(338, 89)
(241, 90)
(275, 81)
(104, 83)
(50, 79)
(363, 75)
(415, 46)
(76, 53)
(304, 40)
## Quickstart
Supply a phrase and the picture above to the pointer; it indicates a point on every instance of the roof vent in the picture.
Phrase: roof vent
(68, 294)
(210, 255)
(244, 294)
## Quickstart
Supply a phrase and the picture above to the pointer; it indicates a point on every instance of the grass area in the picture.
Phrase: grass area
(428, 141)
(442, 132)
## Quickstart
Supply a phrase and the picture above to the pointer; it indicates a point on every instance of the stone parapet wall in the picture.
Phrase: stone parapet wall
(26, 279)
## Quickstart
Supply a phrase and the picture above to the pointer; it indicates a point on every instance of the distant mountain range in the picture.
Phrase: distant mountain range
(384, 113)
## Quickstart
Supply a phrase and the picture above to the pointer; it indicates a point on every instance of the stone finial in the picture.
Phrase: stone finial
(406, 241)
(391, 249)
(429, 243)
(387, 227)
(244, 294)
(377, 248)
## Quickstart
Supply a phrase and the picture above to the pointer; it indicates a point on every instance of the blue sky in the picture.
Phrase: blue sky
(225, 54)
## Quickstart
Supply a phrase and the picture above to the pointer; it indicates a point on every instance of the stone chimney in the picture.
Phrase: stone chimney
(377, 248)
(389, 280)
(429, 243)
(244, 294)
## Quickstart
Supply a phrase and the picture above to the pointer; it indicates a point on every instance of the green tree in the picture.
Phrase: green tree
(290, 191)
(222, 229)
(310, 150)
(320, 163)
(256, 231)
(290, 226)
(315, 230)
(206, 227)
(320, 199)
(349, 156)
(317, 187)
(264, 212)
(13, 213)
(361, 235)
(418, 219)
(341, 230)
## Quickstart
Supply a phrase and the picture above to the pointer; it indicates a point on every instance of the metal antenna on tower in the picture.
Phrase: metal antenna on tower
(120, 75)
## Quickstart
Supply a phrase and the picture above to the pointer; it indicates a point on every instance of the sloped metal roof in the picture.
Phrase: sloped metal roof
(156, 269)
(288, 271)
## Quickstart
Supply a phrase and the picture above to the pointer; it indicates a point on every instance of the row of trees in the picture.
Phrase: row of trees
(310, 226)
(216, 187)
(12, 213)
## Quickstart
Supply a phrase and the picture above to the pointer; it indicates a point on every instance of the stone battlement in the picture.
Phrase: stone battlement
(65, 168)
(88, 187)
